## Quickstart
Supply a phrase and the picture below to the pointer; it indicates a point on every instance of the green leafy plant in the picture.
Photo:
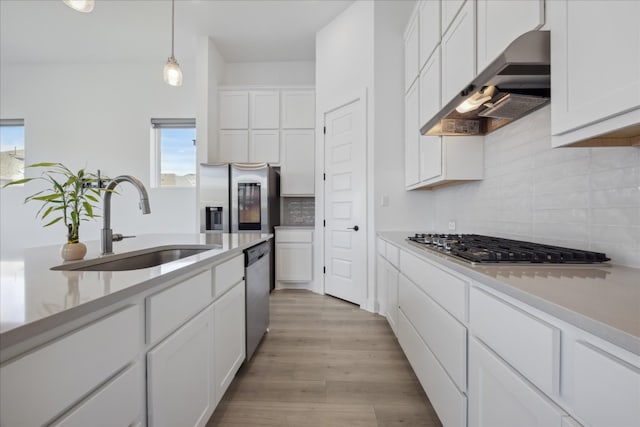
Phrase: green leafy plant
(71, 197)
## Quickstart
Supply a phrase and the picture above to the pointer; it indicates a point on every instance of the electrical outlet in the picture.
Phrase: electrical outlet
(452, 226)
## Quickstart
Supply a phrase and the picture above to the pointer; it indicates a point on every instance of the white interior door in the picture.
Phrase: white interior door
(345, 203)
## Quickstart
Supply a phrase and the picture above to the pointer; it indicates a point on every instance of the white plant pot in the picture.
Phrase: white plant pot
(73, 251)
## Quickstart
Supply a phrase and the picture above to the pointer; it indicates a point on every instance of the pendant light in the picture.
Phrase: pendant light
(80, 5)
(172, 72)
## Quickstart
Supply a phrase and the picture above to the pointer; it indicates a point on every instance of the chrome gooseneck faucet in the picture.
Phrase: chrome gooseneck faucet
(106, 241)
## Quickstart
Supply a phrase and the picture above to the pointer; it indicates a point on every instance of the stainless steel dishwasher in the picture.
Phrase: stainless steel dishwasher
(257, 281)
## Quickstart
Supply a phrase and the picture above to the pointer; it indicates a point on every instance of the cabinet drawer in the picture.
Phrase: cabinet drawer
(227, 274)
(118, 403)
(294, 236)
(445, 289)
(172, 307)
(449, 403)
(444, 335)
(606, 389)
(40, 385)
(529, 344)
(393, 255)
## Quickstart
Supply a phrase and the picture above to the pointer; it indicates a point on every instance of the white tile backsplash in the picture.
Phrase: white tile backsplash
(587, 198)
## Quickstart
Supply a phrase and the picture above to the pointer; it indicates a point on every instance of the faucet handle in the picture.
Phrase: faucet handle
(118, 237)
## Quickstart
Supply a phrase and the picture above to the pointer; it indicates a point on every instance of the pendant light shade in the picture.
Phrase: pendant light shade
(80, 5)
(172, 72)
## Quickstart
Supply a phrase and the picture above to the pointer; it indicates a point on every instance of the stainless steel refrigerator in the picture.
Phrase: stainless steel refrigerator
(239, 197)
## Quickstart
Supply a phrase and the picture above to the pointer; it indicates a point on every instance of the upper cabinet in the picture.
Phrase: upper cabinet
(429, 23)
(500, 22)
(234, 110)
(411, 52)
(298, 109)
(297, 171)
(450, 9)
(595, 79)
(458, 52)
(265, 111)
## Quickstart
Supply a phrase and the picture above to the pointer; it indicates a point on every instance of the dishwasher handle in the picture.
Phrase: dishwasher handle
(255, 253)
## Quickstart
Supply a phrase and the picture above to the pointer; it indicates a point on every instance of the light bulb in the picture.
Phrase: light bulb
(476, 100)
(172, 72)
(80, 5)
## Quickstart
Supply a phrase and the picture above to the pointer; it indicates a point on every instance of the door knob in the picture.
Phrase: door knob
(354, 228)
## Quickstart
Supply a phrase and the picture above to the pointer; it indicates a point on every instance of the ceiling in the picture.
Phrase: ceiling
(41, 31)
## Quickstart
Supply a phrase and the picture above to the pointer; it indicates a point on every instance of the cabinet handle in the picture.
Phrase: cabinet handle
(354, 228)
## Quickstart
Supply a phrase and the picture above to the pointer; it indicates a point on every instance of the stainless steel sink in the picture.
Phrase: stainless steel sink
(136, 260)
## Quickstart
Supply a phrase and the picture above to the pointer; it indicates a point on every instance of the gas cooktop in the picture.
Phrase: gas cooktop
(476, 248)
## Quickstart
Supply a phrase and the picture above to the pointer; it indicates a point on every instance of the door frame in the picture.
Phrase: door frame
(369, 297)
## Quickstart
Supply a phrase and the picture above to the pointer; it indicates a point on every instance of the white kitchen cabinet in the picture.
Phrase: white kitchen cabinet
(228, 337)
(411, 52)
(429, 22)
(527, 343)
(430, 97)
(448, 402)
(458, 51)
(499, 396)
(603, 386)
(412, 136)
(180, 375)
(595, 52)
(233, 109)
(120, 402)
(502, 21)
(298, 109)
(264, 146)
(233, 146)
(40, 385)
(391, 277)
(297, 163)
(264, 109)
(294, 256)
(449, 159)
(449, 11)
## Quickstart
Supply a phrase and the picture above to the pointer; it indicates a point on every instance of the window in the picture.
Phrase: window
(11, 150)
(174, 152)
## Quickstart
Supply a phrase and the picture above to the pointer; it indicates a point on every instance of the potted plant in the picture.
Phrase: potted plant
(69, 198)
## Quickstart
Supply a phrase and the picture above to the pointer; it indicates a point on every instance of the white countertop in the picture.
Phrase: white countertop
(603, 300)
(34, 298)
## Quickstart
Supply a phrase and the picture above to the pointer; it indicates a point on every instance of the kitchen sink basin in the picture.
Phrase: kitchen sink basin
(136, 260)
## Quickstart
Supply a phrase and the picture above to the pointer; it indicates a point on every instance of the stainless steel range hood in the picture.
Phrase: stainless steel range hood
(515, 84)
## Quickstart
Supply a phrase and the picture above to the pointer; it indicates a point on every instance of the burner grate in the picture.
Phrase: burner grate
(486, 249)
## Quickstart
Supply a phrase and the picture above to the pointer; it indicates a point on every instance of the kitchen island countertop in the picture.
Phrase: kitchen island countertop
(601, 299)
(35, 298)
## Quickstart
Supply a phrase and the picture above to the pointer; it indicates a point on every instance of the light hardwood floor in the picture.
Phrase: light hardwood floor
(325, 363)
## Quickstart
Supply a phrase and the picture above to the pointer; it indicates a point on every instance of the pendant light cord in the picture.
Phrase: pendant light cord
(173, 7)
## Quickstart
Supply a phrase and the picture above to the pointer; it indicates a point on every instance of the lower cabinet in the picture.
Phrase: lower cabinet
(229, 337)
(499, 396)
(180, 375)
(294, 256)
(388, 288)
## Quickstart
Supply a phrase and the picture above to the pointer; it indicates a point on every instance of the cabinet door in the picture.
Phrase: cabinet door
(498, 396)
(391, 279)
(294, 262)
(264, 146)
(501, 21)
(596, 73)
(430, 97)
(298, 163)
(234, 110)
(411, 53)
(412, 137)
(430, 157)
(450, 9)
(429, 13)
(234, 146)
(229, 337)
(458, 53)
(299, 110)
(265, 110)
(180, 375)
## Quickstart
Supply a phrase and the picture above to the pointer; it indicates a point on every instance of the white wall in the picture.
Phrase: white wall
(587, 198)
(285, 73)
(407, 210)
(93, 115)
